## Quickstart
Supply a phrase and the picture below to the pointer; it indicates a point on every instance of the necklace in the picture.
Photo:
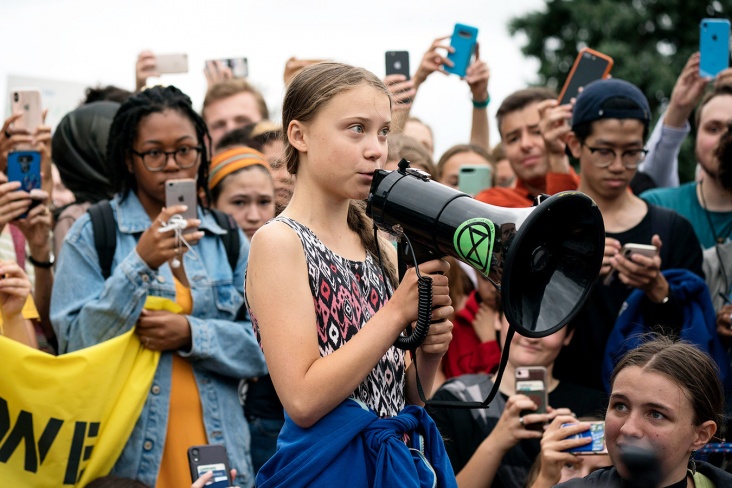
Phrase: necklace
(718, 239)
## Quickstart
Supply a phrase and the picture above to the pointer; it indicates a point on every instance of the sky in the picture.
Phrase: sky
(92, 42)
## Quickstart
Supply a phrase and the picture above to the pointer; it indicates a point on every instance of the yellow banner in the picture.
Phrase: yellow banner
(65, 420)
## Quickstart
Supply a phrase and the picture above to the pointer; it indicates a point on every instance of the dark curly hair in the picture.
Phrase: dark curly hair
(124, 127)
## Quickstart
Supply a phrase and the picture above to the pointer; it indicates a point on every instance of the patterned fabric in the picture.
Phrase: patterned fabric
(346, 294)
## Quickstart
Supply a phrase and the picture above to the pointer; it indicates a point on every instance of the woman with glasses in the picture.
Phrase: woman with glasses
(156, 136)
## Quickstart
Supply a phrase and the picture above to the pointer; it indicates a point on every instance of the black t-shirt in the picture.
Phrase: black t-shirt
(581, 361)
(464, 430)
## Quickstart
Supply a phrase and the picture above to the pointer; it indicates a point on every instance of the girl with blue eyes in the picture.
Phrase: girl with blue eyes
(666, 399)
(327, 314)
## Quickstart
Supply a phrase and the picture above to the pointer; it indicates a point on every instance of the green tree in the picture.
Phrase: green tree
(649, 40)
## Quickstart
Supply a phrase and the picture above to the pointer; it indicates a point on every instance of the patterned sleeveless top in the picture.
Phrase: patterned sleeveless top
(346, 294)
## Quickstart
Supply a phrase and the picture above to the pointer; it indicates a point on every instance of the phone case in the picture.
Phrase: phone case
(463, 40)
(182, 192)
(210, 457)
(25, 166)
(588, 66)
(239, 67)
(171, 63)
(473, 178)
(26, 101)
(397, 63)
(531, 381)
(597, 433)
(644, 249)
(713, 46)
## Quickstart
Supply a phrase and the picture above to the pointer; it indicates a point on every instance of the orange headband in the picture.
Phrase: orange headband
(233, 159)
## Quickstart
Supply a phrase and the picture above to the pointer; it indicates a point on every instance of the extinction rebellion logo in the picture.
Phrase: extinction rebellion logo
(473, 241)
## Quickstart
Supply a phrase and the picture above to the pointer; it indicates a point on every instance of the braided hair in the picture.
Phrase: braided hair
(124, 127)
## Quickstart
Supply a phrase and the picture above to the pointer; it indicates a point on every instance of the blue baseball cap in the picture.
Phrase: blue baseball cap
(598, 100)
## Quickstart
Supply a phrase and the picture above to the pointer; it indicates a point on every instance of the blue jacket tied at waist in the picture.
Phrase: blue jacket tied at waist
(353, 447)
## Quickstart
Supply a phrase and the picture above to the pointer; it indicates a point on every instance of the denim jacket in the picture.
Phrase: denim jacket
(87, 310)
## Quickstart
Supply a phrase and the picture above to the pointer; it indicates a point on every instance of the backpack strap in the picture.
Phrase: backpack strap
(231, 241)
(105, 234)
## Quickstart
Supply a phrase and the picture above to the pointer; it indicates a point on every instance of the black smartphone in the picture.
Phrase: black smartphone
(210, 457)
(589, 65)
(397, 63)
(531, 381)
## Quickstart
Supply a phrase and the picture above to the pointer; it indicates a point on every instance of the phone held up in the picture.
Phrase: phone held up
(589, 66)
(596, 433)
(171, 63)
(473, 178)
(463, 41)
(182, 192)
(210, 457)
(713, 46)
(239, 66)
(397, 63)
(25, 167)
(627, 251)
(27, 102)
(531, 382)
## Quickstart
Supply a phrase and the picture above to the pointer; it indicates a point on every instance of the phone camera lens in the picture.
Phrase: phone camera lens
(714, 37)
(16, 97)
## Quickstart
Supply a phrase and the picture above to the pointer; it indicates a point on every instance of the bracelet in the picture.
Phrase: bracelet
(42, 264)
(482, 104)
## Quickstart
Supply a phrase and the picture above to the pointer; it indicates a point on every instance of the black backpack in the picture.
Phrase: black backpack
(105, 235)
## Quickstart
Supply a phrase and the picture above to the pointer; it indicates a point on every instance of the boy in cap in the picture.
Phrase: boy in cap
(609, 126)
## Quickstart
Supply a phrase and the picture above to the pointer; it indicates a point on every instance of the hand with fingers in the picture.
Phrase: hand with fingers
(612, 247)
(554, 125)
(145, 67)
(477, 76)
(402, 91)
(156, 247)
(686, 94)
(643, 272)
(554, 444)
(724, 322)
(37, 224)
(13, 201)
(10, 138)
(216, 71)
(15, 287)
(511, 427)
(161, 330)
(207, 476)
(433, 60)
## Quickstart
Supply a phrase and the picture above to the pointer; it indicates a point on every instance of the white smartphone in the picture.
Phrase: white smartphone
(182, 192)
(628, 250)
(26, 101)
(171, 63)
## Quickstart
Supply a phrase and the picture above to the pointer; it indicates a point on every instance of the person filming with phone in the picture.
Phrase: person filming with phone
(497, 446)
(609, 126)
(156, 139)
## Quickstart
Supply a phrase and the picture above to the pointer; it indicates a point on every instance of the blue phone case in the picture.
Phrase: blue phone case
(463, 40)
(713, 46)
(25, 166)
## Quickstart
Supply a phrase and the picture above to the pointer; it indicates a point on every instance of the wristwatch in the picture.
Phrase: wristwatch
(42, 264)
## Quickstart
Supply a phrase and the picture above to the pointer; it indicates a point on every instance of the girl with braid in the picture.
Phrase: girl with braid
(328, 333)
(157, 136)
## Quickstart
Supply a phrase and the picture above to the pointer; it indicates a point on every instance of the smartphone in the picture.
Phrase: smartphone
(25, 167)
(531, 381)
(211, 457)
(713, 46)
(171, 63)
(397, 63)
(239, 66)
(597, 433)
(629, 249)
(26, 101)
(473, 178)
(182, 192)
(464, 38)
(589, 65)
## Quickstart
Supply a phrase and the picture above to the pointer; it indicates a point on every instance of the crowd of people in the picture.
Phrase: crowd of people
(289, 303)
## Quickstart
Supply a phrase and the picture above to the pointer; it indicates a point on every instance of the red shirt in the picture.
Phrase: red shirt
(466, 354)
(519, 197)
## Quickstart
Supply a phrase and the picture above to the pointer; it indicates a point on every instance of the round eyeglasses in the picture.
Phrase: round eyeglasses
(603, 157)
(156, 159)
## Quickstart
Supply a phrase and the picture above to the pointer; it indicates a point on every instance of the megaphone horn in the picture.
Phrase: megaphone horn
(546, 258)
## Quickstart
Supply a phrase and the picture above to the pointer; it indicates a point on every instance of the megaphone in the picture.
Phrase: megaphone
(546, 258)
